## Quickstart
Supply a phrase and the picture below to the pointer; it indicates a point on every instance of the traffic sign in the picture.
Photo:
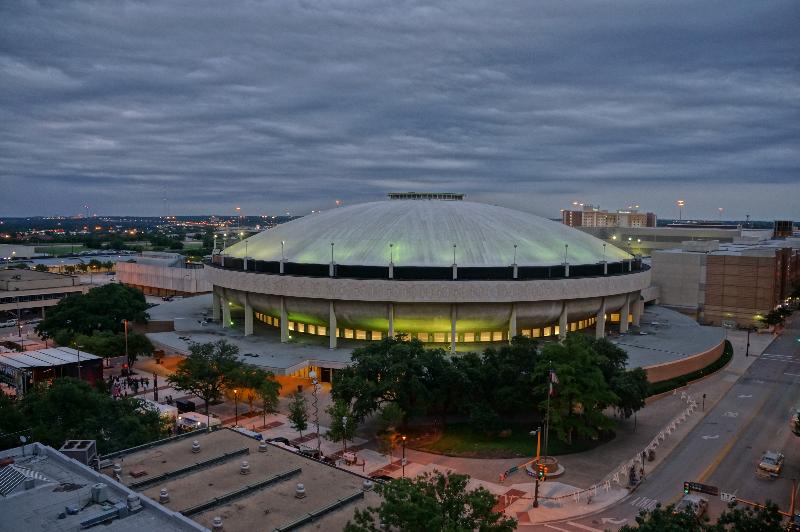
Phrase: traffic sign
(727, 497)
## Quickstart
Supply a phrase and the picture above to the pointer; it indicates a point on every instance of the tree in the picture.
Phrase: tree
(100, 309)
(249, 379)
(766, 519)
(343, 423)
(267, 391)
(665, 520)
(631, 388)
(436, 501)
(72, 409)
(138, 344)
(41, 268)
(298, 413)
(390, 419)
(582, 392)
(207, 371)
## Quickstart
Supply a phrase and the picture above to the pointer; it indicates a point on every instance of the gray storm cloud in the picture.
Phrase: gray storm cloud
(288, 106)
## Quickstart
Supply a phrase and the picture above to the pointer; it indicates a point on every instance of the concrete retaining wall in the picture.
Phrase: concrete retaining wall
(684, 366)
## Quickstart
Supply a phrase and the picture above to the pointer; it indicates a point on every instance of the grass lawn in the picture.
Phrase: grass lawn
(59, 249)
(459, 439)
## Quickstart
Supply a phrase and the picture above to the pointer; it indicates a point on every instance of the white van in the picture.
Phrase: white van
(196, 420)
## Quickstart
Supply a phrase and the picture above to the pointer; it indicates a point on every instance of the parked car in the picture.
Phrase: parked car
(8, 323)
(383, 478)
(695, 504)
(770, 464)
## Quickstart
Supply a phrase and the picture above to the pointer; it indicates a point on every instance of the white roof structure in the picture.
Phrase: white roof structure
(54, 356)
(423, 233)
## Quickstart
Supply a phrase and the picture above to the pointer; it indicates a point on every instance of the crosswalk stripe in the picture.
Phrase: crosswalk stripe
(583, 527)
(554, 527)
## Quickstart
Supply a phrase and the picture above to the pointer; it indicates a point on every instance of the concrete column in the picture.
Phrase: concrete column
(453, 328)
(391, 320)
(332, 325)
(600, 326)
(566, 269)
(638, 309)
(515, 272)
(248, 317)
(44, 313)
(562, 322)
(284, 322)
(391, 270)
(455, 272)
(512, 322)
(605, 268)
(215, 306)
(281, 267)
(623, 314)
(244, 265)
(226, 312)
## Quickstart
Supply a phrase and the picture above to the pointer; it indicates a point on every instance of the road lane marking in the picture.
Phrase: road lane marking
(731, 442)
(747, 396)
(554, 527)
(583, 527)
(730, 414)
(792, 374)
(714, 437)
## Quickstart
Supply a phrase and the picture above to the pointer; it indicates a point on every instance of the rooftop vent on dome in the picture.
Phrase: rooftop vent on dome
(445, 196)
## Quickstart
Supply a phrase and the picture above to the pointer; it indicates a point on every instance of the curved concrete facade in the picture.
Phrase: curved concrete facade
(434, 311)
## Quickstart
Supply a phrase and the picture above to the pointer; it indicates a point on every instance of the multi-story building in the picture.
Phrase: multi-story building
(22, 290)
(731, 285)
(162, 274)
(591, 216)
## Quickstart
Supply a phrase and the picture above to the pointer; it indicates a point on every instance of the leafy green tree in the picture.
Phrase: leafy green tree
(665, 520)
(582, 392)
(11, 422)
(343, 423)
(71, 409)
(631, 388)
(433, 502)
(249, 379)
(298, 413)
(390, 420)
(207, 371)
(267, 392)
(100, 309)
(392, 370)
(108, 344)
(766, 519)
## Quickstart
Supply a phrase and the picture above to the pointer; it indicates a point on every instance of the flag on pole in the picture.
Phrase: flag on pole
(553, 380)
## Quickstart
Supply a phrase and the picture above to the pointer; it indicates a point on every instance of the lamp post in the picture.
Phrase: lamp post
(344, 433)
(236, 405)
(79, 360)
(681, 204)
(126, 343)
(747, 349)
(403, 460)
(315, 404)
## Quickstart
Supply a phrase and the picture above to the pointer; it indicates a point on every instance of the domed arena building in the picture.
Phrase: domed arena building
(430, 266)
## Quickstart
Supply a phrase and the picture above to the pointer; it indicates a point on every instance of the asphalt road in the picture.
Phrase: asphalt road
(724, 448)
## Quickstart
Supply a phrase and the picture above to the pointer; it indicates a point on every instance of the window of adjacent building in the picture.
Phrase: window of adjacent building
(423, 337)
(526, 332)
(469, 337)
(573, 326)
(322, 331)
(536, 333)
(348, 333)
(361, 335)
(547, 331)
(439, 337)
(486, 336)
(556, 330)
(497, 336)
(377, 335)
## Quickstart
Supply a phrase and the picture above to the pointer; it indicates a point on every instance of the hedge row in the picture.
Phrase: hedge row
(670, 384)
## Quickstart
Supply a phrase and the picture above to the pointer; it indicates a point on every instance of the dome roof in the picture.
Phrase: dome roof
(422, 233)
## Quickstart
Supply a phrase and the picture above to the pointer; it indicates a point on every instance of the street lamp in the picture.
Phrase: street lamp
(236, 405)
(344, 433)
(403, 460)
(681, 204)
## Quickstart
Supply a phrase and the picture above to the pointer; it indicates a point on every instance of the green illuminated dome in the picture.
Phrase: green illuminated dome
(422, 233)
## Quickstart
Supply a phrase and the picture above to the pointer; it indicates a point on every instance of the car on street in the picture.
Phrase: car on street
(770, 464)
(694, 504)
(8, 323)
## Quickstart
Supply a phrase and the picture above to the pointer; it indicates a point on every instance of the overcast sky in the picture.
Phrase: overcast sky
(291, 105)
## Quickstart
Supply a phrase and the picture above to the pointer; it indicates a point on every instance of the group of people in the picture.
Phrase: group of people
(122, 386)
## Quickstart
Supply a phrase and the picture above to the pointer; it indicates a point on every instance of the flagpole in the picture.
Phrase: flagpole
(547, 413)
